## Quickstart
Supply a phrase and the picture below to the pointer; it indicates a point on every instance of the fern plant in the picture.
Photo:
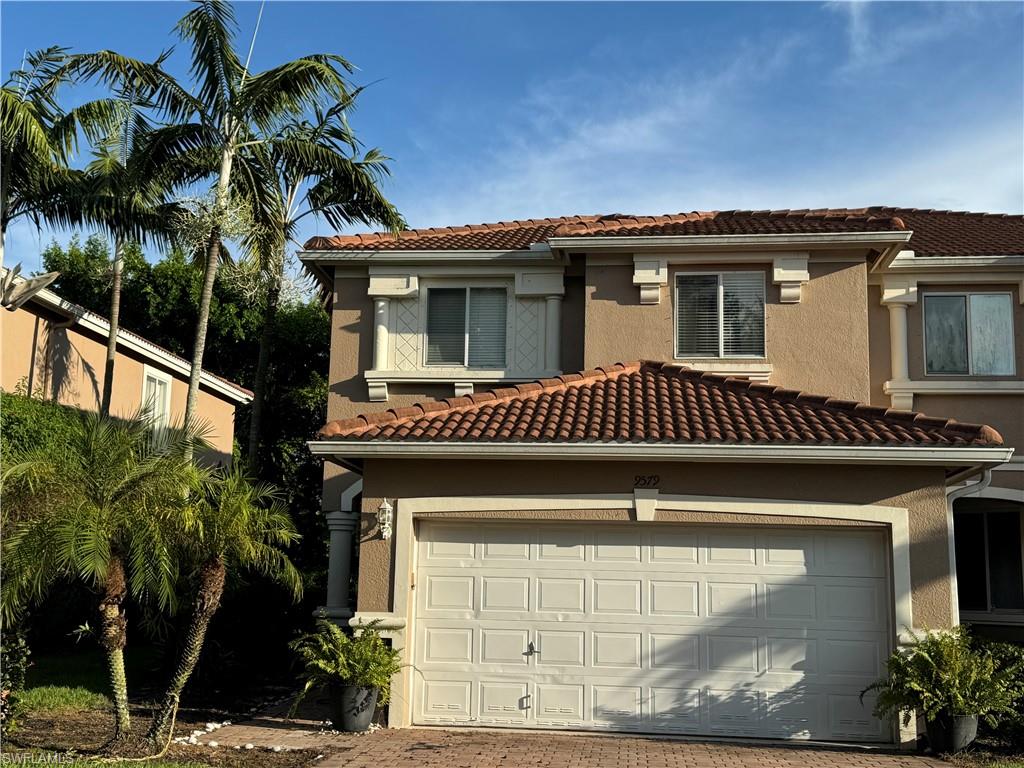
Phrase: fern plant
(332, 658)
(941, 674)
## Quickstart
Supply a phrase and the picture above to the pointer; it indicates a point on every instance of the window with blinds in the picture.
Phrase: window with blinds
(720, 315)
(467, 327)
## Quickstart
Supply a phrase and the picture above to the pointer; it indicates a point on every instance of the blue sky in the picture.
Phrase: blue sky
(510, 110)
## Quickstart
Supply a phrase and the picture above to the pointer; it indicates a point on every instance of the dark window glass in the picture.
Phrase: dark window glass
(1004, 561)
(970, 561)
(446, 326)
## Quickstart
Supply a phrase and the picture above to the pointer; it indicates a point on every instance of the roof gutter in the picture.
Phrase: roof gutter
(346, 450)
(808, 240)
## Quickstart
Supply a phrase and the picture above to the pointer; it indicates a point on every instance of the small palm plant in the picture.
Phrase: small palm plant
(232, 524)
(357, 670)
(99, 508)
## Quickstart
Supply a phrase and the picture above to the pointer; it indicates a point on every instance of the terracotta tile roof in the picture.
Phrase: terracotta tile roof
(651, 402)
(935, 232)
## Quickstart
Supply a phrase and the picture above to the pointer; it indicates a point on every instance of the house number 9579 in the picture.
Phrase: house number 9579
(646, 481)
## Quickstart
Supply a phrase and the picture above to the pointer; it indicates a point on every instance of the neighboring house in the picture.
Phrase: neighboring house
(727, 539)
(56, 350)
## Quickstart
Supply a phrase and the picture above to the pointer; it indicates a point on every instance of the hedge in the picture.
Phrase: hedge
(27, 423)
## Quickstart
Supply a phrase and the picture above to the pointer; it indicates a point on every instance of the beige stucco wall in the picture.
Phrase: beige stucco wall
(920, 490)
(818, 345)
(66, 364)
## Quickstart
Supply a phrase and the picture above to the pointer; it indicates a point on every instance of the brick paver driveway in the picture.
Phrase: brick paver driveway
(473, 748)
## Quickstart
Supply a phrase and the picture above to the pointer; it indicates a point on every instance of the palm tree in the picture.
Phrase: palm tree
(100, 509)
(123, 193)
(36, 140)
(317, 171)
(231, 108)
(234, 525)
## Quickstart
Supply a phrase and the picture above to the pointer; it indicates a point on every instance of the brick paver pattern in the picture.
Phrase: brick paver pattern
(472, 748)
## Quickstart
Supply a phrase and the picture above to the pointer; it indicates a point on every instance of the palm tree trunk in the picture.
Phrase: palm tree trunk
(259, 389)
(113, 636)
(115, 315)
(211, 587)
(209, 277)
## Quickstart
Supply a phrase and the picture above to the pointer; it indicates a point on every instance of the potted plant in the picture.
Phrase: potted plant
(949, 682)
(356, 670)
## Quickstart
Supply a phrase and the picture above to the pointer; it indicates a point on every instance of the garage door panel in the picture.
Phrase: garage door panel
(608, 628)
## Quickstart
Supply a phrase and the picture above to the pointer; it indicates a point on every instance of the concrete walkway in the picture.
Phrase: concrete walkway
(476, 748)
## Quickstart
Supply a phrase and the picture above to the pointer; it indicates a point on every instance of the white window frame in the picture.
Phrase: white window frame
(149, 372)
(967, 305)
(721, 314)
(995, 615)
(466, 285)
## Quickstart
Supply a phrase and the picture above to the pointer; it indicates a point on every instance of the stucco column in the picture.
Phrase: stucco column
(899, 358)
(553, 333)
(342, 526)
(381, 305)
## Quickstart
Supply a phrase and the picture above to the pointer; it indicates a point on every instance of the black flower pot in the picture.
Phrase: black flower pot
(948, 733)
(352, 708)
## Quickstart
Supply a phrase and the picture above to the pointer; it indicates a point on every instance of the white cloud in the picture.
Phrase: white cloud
(685, 140)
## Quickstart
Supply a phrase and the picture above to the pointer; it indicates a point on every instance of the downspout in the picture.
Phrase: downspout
(952, 494)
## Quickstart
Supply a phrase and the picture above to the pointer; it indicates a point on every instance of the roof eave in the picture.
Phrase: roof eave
(332, 256)
(340, 449)
(789, 240)
(99, 324)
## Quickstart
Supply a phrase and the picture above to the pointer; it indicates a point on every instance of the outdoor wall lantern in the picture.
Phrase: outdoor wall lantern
(385, 516)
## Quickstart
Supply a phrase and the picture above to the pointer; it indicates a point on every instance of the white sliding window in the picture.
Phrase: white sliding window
(720, 315)
(969, 334)
(467, 327)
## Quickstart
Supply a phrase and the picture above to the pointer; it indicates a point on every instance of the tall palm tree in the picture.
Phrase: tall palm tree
(124, 194)
(234, 525)
(316, 170)
(100, 509)
(37, 138)
(231, 108)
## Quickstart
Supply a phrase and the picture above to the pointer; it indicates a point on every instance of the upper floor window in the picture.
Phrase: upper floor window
(720, 314)
(969, 334)
(467, 327)
(156, 397)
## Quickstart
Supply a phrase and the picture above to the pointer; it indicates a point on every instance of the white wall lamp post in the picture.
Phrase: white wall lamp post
(385, 516)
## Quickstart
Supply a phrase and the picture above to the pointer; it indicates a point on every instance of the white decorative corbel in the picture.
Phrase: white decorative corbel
(378, 391)
(645, 502)
(650, 274)
(789, 272)
(463, 388)
(899, 289)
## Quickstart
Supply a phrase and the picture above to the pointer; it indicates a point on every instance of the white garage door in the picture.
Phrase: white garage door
(649, 628)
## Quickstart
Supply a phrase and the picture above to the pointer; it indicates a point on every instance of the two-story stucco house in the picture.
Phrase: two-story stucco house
(725, 538)
(54, 349)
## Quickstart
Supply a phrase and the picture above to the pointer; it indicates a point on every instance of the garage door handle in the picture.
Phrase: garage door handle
(530, 650)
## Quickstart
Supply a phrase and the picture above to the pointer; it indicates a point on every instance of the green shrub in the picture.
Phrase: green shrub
(940, 673)
(27, 423)
(333, 658)
(14, 653)
(1009, 659)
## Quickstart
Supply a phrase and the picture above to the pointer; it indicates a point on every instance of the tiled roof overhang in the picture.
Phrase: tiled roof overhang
(658, 409)
(934, 233)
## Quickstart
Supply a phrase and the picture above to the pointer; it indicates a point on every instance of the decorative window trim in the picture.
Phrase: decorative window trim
(789, 271)
(970, 375)
(722, 357)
